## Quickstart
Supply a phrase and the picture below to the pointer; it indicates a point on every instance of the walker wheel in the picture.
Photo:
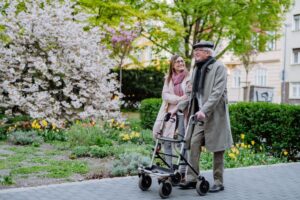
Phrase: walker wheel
(202, 187)
(165, 189)
(176, 178)
(145, 182)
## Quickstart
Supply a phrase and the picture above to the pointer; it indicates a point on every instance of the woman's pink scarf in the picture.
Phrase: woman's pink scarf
(177, 80)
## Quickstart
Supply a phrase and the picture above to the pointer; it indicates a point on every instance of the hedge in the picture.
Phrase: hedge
(277, 126)
(148, 110)
(139, 84)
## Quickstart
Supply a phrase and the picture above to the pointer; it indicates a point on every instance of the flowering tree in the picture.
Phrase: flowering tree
(51, 67)
(121, 40)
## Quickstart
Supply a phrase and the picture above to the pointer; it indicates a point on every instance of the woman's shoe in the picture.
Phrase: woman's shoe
(188, 185)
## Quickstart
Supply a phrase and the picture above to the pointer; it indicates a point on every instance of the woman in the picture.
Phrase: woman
(173, 92)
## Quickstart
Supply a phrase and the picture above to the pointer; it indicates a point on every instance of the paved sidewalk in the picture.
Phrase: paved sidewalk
(273, 182)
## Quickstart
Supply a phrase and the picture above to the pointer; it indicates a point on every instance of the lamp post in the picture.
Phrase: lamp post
(283, 98)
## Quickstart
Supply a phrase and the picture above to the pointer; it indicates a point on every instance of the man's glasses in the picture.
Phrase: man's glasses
(200, 50)
(179, 61)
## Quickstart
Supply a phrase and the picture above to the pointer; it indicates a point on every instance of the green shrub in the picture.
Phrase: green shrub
(147, 136)
(53, 135)
(128, 164)
(6, 180)
(3, 131)
(87, 136)
(135, 124)
(18, 118)
(8, 122)
(25, 138)
(81, 151)
(103, 141)
(149, 110)
(101, 152)
(277, 126)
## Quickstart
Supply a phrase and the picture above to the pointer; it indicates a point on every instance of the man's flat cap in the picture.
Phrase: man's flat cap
(203, 44)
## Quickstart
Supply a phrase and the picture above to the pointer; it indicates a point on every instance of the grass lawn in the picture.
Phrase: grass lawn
(97, 151)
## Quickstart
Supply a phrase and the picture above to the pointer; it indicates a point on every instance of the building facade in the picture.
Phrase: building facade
(276, 72)
(264, 75)
(291, 56)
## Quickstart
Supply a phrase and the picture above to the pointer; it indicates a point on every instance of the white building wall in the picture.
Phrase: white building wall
(292, 41)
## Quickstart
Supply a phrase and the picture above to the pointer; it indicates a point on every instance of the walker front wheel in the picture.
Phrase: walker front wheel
(202, 187)
(165, 189)
(145, 182)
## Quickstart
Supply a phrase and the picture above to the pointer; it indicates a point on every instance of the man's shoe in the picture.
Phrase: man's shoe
(216, 188)
(188, 185)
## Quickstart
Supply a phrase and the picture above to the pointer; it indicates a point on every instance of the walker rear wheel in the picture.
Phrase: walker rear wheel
(202, 187)
(165, 189)
(145, 182)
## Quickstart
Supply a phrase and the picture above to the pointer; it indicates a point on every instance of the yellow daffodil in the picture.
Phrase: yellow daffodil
(126, 137)
(237, 145)
(33, 124)
(249, 146)
(242, 145)
(53, 126)
(122, 125)
(233, 149)
(285, 153)
(137, 134)
(232, 155)
(242, 136)
(131, 135)
(252, 142)
(44, 123)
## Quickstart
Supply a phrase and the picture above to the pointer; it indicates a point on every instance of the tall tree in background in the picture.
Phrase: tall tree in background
(174, 27)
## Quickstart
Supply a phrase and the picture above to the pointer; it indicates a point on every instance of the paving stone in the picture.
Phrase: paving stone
(274, 182)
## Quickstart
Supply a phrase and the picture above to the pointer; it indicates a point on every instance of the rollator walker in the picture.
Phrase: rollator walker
(170, 175)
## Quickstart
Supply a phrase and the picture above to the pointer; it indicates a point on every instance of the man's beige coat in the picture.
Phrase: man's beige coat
(217, 130)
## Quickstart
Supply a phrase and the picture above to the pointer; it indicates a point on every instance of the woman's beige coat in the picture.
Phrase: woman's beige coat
(169, 104)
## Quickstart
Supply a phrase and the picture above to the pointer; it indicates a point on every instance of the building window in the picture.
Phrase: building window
(296, 56)
(261, 77)
(271, 44)
(294, 90)
(297, 22)
(236, 79)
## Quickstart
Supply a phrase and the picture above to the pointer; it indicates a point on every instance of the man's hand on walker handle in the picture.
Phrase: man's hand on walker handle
(200, 116)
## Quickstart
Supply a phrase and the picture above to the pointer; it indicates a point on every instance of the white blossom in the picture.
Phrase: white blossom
(51, 68)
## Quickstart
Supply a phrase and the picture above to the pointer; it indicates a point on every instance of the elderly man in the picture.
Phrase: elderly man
(208, 103)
